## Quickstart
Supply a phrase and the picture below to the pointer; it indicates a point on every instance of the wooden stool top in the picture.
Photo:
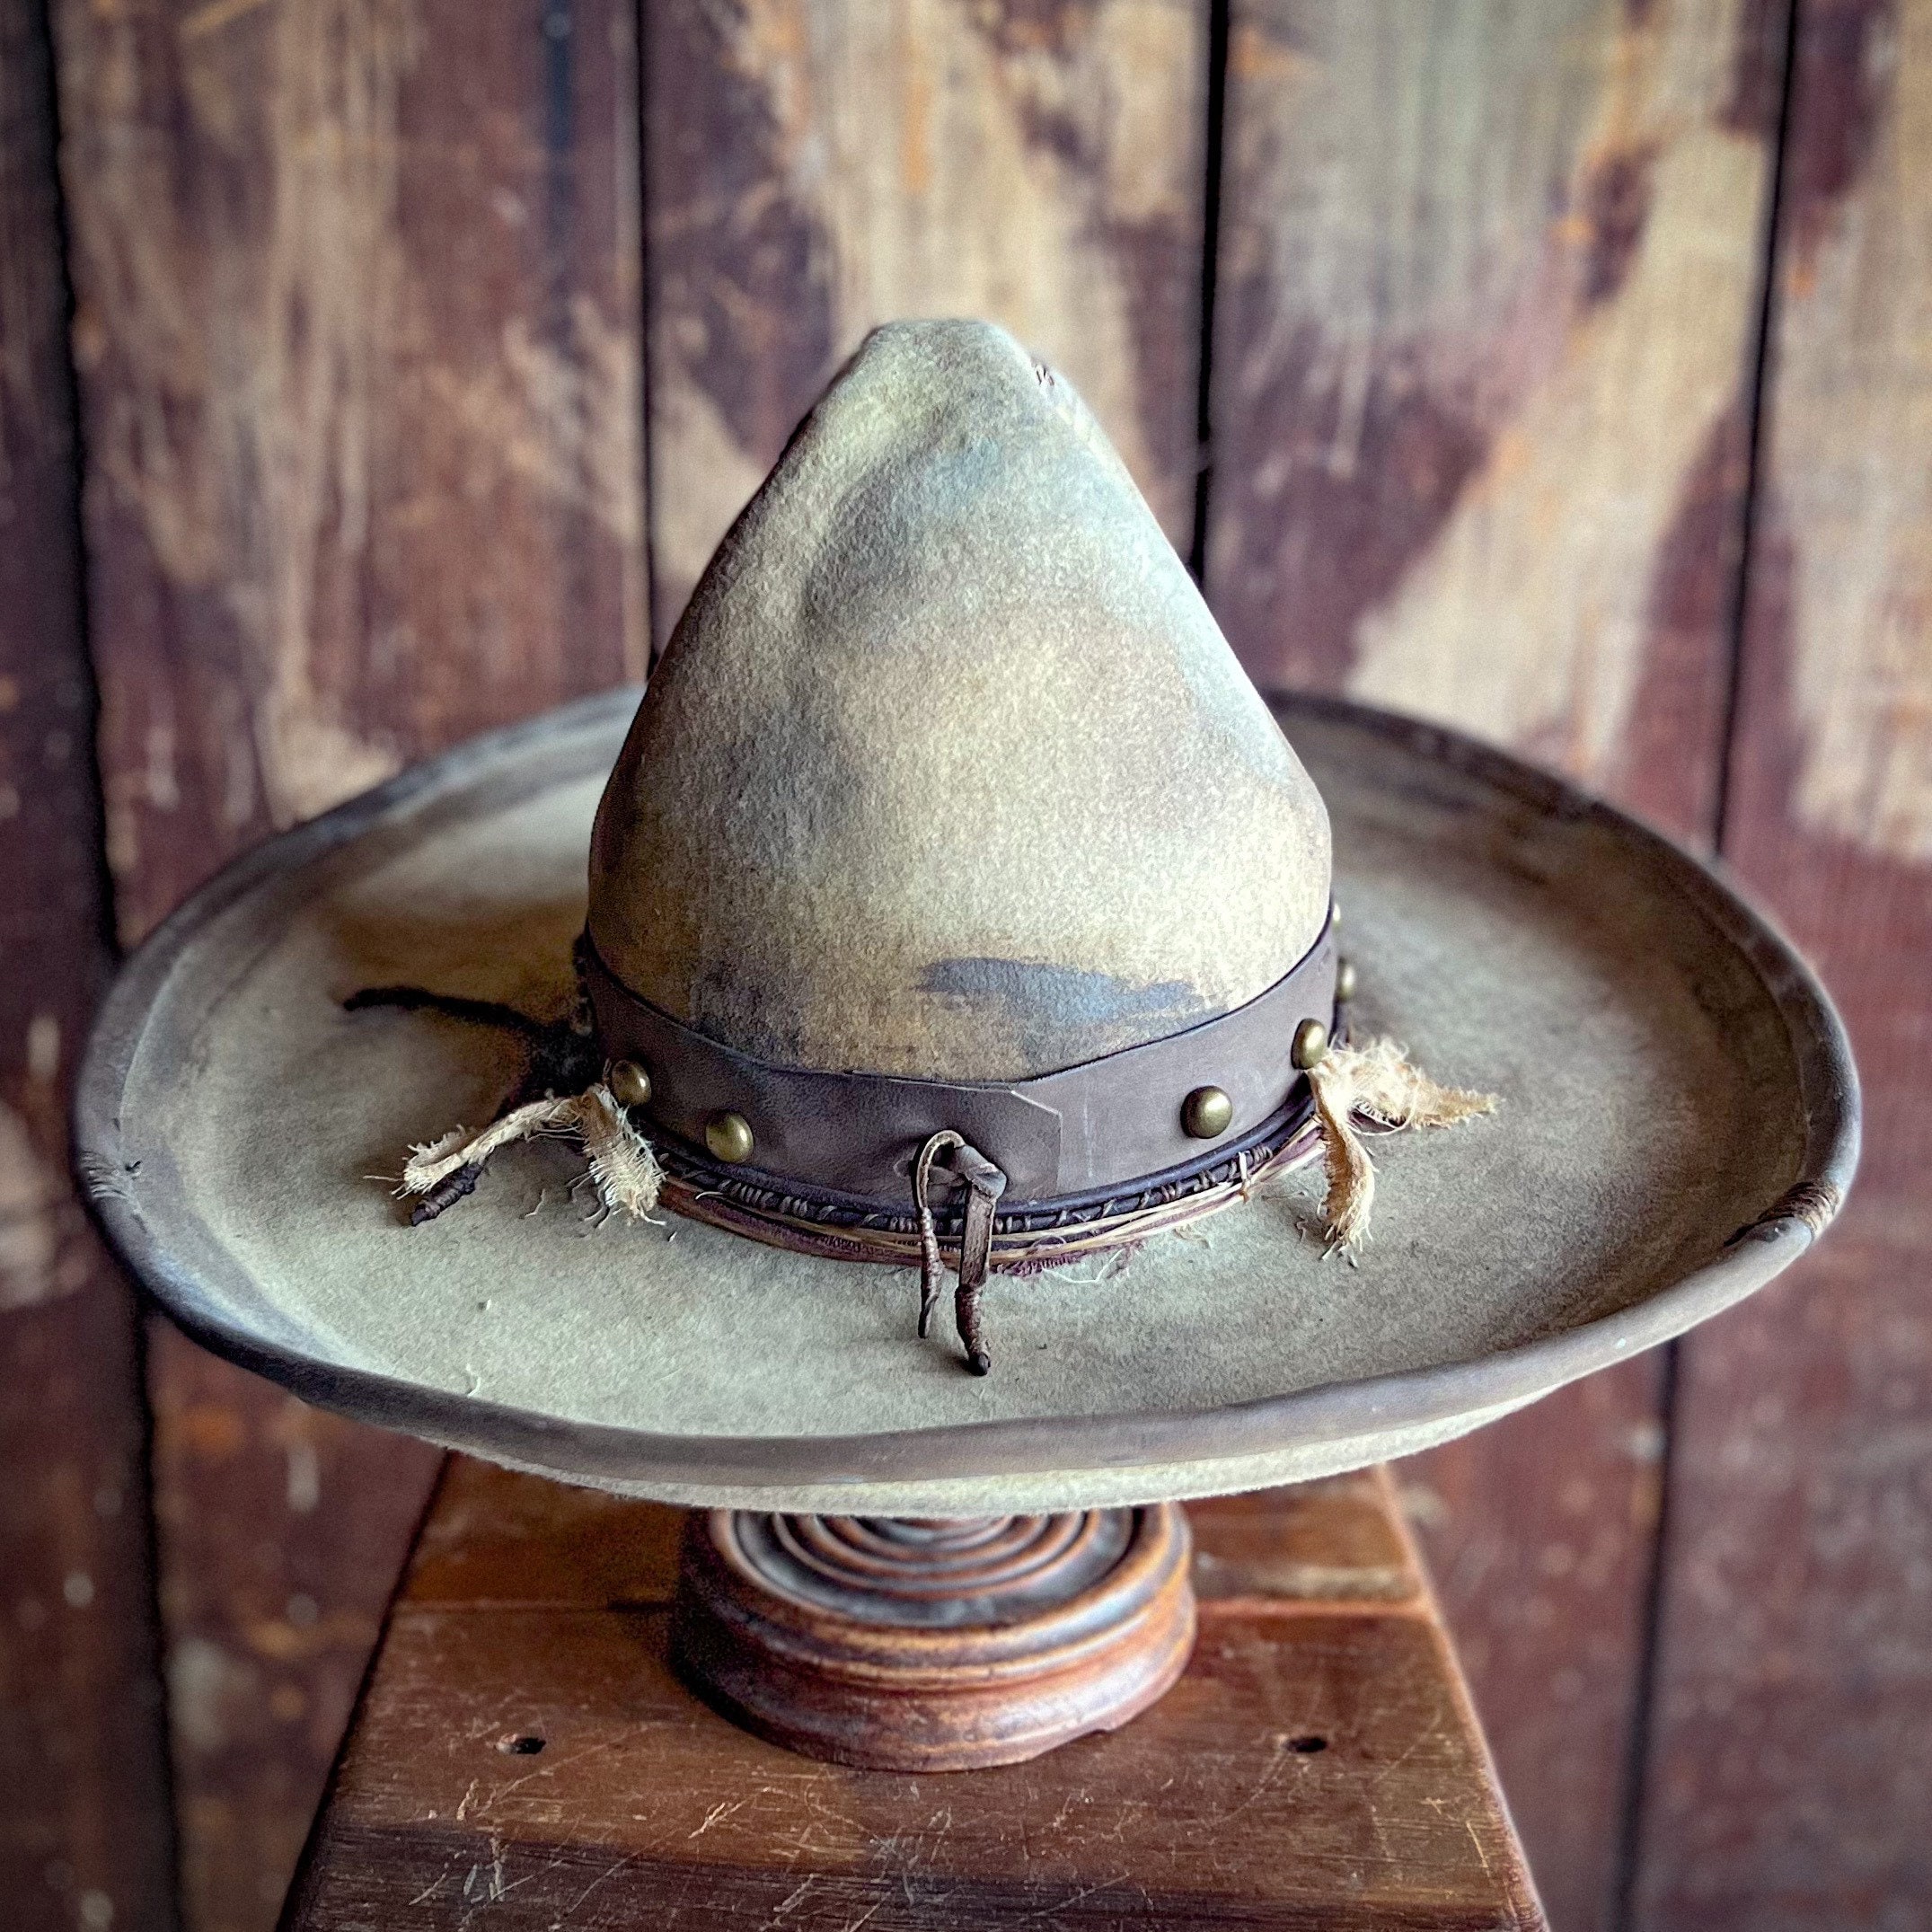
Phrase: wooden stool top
(524, 1756)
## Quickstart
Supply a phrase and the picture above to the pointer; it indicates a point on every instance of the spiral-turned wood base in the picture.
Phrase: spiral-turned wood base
(927, 1646)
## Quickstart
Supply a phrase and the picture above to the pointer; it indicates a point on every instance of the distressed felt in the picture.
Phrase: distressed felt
(948, 771)
(1650, 1109)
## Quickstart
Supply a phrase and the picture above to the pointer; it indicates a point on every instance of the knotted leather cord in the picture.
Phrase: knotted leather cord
(985, 1184)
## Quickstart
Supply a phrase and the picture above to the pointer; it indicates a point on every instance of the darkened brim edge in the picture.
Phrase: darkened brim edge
(1058, 1446)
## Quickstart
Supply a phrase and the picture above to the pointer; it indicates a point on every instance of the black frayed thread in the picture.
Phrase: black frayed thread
(450, 1189)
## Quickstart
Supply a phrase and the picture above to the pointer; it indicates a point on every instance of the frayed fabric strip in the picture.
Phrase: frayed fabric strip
(623, 1169)
(1373, 1083)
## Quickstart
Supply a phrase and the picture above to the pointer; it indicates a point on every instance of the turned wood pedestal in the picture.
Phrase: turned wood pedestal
(912, 1645)
(559, 1728)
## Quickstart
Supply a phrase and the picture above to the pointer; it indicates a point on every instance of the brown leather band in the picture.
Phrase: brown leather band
(1097, 1126)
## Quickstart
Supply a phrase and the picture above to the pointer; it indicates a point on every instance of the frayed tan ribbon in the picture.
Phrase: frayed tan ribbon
(623, 1169)
(1375, 1084)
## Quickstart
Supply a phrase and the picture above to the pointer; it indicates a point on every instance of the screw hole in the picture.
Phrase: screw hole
(1308, 1744)
(522, 1747)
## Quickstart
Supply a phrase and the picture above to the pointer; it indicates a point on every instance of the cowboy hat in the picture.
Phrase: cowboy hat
(953, 896)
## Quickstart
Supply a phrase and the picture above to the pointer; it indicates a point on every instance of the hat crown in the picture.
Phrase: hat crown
(948, 771)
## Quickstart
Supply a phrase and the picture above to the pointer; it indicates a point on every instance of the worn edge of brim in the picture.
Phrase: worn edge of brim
(1061, 1448)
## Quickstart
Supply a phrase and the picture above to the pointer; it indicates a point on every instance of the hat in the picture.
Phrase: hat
(953, 898)
(953, 882)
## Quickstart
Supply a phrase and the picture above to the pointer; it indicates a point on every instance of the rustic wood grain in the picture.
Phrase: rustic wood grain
(1486, 322)
(84, 1802)
(1791, 1783)
(1489, 284)
(359, 340)
(282, 1531)
(814, 167)
(524, 1752)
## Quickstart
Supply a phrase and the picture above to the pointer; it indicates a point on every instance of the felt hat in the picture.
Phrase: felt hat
(954, 902)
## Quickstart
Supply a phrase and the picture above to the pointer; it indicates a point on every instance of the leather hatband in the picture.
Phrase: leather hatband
(1076, 1133)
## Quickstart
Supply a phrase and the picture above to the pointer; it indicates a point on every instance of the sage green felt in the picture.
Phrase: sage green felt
(1658, 1058)
(948, 771)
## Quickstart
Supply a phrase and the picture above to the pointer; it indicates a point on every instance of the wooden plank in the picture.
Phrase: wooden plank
(359, 327)
(494, 1539)
(525, 1752)
(1485, 316)
(85, 1833)
(814, 167)
(1790, 1780)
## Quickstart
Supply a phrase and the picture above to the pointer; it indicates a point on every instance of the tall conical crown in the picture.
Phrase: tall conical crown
(948, 771)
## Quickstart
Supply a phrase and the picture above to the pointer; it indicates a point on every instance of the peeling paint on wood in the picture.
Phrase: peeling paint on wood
(83, 1800)
(43, 1247)
(1388, 283)
(1567, 392)
(1851, 493)
(1484, 331)
(359, 359)
(1789, 1782)
(360, 336)
(815, 169)
(1525, 620)
(1451, 442)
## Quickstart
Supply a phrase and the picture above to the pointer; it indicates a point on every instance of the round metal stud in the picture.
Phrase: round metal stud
(1344, 979)
(1310, 1044)
(1206, 1113)
(729, 1137)
(629, 1083)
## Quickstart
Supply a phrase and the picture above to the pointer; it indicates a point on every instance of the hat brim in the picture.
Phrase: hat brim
(1678, 1121)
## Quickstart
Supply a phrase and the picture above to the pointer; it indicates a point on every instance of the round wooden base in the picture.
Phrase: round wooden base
(927, 1646)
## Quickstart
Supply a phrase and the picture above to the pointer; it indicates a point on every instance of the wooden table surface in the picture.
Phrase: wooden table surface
(524, 1757)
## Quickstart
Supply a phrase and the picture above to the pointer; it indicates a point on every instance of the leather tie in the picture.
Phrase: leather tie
(985, 1184)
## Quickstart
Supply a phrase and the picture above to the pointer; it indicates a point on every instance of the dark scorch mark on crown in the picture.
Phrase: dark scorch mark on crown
(1069, 1012)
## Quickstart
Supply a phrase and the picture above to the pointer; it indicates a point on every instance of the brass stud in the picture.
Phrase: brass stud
(630, 1084)
(1344, 979)
(1206, 1113)
(729, 1137)
(1310, 1044)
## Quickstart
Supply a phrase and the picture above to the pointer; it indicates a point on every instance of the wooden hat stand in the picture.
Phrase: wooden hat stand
(929, 1644)
(528, 1750)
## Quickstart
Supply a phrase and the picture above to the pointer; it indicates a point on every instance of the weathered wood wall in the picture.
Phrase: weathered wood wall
(358, 339)
(1487, 318)
(385, 310)
(1791, 1781)
(84, 1830)
(813, 169)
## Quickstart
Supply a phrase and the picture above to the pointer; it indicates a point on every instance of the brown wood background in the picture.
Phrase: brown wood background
(373, 371)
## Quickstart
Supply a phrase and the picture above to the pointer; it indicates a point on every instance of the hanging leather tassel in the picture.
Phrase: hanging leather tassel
(985, 1184)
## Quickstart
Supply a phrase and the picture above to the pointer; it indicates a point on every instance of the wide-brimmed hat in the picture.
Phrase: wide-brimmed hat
(953, 901)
